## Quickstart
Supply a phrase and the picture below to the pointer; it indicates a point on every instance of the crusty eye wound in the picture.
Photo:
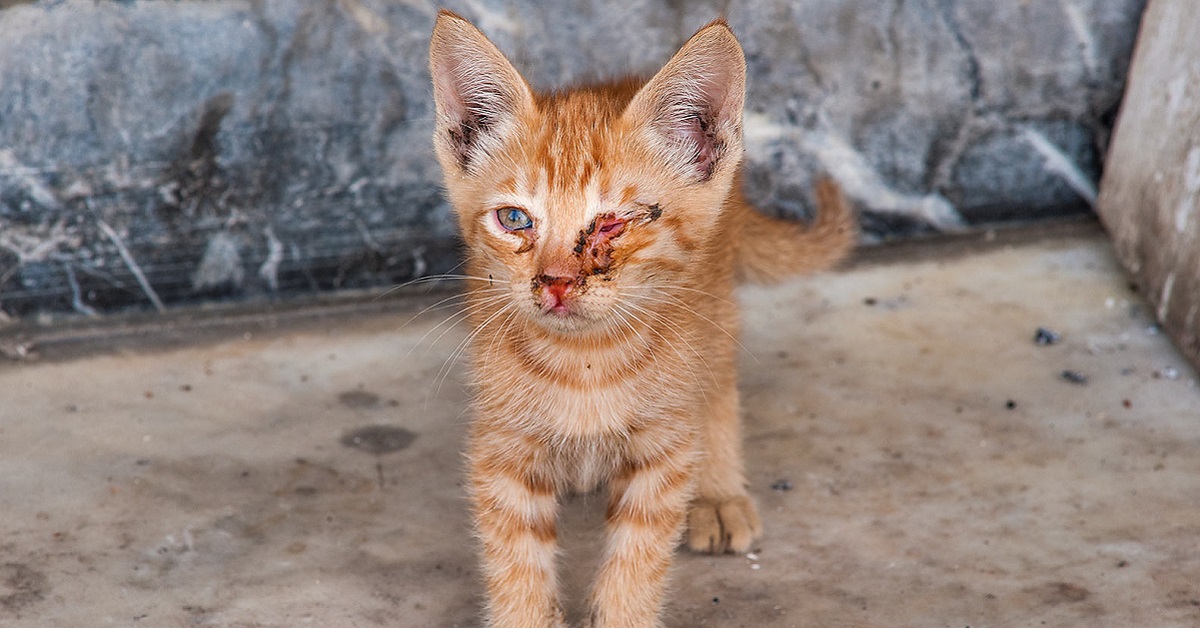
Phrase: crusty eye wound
(595, 244)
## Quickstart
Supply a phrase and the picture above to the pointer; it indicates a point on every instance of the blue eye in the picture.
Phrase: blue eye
(513, 219)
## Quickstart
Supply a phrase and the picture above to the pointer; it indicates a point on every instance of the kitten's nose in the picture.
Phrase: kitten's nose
(554, 290)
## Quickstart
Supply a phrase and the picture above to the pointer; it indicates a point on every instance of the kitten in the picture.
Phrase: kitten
(605, 230)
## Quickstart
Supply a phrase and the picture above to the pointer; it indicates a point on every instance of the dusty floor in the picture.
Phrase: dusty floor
(919, 461)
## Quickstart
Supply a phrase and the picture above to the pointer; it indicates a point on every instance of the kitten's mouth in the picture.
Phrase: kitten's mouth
(560, 310)
(563, 318)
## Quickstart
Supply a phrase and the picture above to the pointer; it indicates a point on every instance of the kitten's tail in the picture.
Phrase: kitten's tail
(771, 249)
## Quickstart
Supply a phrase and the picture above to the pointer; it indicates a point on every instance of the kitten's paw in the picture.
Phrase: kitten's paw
(726, 526)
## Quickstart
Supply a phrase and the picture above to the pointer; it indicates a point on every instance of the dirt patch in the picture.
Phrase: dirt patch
(379, 439)
(1055, 593)
(358, 399)
(21, 586)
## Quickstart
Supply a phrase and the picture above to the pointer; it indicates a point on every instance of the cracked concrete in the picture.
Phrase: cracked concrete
(919, 460)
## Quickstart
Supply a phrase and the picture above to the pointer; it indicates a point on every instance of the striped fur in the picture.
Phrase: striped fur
(603, 342)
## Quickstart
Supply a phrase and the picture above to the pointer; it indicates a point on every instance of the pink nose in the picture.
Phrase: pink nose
(554, 290)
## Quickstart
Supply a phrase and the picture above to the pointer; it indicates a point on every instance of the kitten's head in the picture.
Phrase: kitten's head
(585, 204)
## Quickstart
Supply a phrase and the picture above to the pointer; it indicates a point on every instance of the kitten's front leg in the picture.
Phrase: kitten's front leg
(515, 508)
(646, 510)
(722, 517)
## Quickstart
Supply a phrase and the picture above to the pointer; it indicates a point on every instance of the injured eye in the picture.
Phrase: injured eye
(612, 227)
(513, 219)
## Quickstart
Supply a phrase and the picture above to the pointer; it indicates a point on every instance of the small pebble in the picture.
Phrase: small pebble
(1046, 337)
(781, 485)
(1127, 403)
(1074, 377)
(1170, 373)
(755, 566)
(1010, 404)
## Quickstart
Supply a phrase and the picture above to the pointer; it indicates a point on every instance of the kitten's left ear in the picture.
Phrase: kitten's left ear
(691, 110)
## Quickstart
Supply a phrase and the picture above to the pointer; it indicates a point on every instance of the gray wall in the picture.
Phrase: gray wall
(170, 152)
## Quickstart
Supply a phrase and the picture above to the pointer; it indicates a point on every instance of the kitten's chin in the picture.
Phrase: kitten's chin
(565, 320)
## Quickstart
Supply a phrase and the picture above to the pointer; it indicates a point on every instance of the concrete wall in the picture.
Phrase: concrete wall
(1150, 198)
(154, 152)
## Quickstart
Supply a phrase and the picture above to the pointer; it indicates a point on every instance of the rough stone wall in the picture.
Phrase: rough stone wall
(154, 153)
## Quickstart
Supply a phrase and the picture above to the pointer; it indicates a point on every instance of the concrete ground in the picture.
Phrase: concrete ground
(918, 459)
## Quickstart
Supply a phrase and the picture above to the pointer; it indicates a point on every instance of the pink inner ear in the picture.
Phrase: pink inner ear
(694, 104)
(706, 149)
(476, 89)
(467, 108)
(691, 109)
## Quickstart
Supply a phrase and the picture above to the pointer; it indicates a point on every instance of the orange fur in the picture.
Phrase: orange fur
(603, 348)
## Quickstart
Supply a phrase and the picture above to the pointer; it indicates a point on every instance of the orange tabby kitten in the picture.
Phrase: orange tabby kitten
(605, 229)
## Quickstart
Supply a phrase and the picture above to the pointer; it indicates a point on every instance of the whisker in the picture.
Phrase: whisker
(421, 279)
(435, 278)
(462, 346)
(622, 316)
(504, 325)
(444, 372)
(463, 315)
(671, 345)
(444, 303)
(454, 319)
(681, 332)
(678, 302)
(684, 288)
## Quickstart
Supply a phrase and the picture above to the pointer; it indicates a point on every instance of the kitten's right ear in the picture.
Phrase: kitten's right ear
(479, 96)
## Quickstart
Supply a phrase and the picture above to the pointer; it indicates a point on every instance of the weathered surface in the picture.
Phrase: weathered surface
(1151, 190)
(229, 147)
(935, 112)
(158, 152)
